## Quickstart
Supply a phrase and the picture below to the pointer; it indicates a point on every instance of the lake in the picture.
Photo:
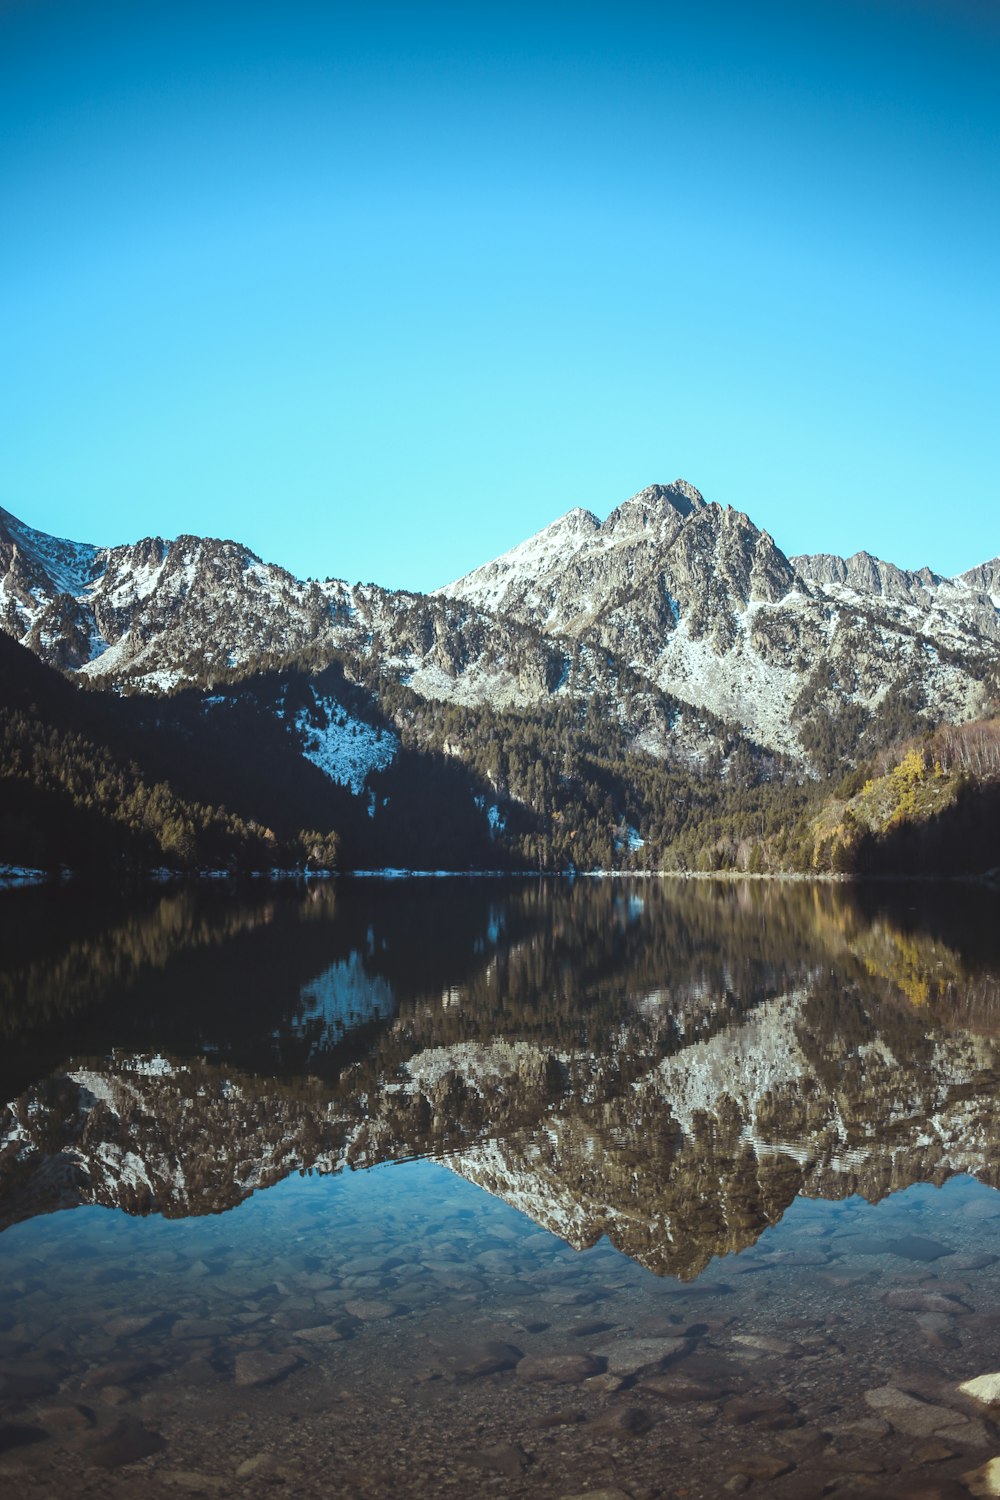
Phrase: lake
(470, 1186)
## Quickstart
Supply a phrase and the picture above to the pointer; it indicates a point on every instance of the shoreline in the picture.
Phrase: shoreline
(20, 877)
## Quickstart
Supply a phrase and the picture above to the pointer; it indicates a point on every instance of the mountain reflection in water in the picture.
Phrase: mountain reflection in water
(669, 1064)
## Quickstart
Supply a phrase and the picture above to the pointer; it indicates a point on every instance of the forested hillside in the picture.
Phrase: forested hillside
(930, 807)
(72, 795)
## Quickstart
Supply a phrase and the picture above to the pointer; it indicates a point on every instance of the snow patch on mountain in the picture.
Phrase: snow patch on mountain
(482, 1065)
(101, 1087)
(107, 657)
(153, 1066)
(344, 748)
(527, 1185)
(135, 583)
(739, 686)
(158, 682)
(493, 683)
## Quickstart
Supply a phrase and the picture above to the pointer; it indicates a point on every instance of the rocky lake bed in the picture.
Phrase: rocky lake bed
(636, 1191)
(344, 1338)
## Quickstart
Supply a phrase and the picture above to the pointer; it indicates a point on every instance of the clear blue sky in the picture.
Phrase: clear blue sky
(382, 289)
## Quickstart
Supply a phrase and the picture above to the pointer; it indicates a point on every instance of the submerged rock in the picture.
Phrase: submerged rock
(322, 1333)
(558, 1369)
(903, 1299)
(201, 1328)
(487, 1358)
(763, 1466)
(264, 1465)
(765, 1411)
(626, 1421)
(508, 1459)
(755, 1345)
(934, 1452)
(65, 1417)
(127, 1326)
(628, 1356)
(985, 1480)
(907, 1414)
(675, 1385)
(984, 1388)
(917, 1247)
(263, 1367)
(125, 1444)
(371, 1310)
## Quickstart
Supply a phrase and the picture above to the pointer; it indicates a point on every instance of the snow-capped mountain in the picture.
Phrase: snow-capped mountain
(562, 575)
(670, 608)
(158, 613)
(705, 606)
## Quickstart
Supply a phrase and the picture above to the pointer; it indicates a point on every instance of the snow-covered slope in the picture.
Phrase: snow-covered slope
(52, 562)
(520, 576)
(561, 577)
(343, 747)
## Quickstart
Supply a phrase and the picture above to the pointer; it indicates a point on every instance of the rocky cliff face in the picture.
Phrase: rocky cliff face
(670, 595)
(958, 610)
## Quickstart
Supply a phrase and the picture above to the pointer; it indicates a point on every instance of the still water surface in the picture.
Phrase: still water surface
(643, 1189)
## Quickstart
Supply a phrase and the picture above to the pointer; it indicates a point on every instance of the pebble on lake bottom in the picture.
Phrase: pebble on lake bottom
(985, 1480)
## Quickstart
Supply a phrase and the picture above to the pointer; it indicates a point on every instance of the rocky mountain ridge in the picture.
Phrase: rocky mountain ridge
(671, 608)
(705, 605)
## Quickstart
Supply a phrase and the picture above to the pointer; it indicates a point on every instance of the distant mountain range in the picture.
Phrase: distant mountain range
(676, 624)
(691, 597)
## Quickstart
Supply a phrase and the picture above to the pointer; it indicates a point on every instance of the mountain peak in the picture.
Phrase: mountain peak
(683, 490)
(551, 546)
(679, 495)
(56, 565)
(575, 522)
(656, 503)
(578, 519)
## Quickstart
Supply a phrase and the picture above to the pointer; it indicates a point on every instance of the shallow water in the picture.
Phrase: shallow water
(501, 1189)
